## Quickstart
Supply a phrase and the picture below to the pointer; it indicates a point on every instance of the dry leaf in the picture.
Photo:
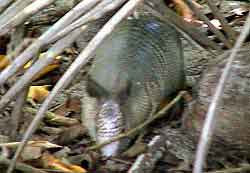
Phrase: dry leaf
(34, 149)
(45, 70)
(53, 163)
(3, 62)
(31, 153)
(38, 93)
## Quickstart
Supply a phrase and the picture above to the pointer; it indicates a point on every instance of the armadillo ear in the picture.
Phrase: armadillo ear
(94, 89)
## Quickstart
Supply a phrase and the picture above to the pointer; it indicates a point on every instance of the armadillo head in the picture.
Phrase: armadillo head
(108, 119)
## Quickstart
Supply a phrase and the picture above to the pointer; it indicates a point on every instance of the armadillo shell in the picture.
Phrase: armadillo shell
(139, 65)
(232, 128)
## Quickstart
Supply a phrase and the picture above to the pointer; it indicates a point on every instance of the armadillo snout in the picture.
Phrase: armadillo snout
(109, 124)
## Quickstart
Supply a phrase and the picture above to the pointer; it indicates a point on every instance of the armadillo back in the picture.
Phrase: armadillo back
(138, 65)
(143, 57)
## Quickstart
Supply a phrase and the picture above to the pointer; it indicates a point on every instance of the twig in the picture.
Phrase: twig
(17, 37)
(216, 12)
(147, 161)
(244, 168)
(72, 71)
(121, 161)
(143, 125)
(209, 123)
(23, 15)
(210, 25)
(17, 113)
(45, 144)
(34, 48)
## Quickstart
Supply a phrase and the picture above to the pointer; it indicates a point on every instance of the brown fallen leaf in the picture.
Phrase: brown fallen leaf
(45, 71)
(31, 153)
(55, 64)
(53, 163)
(4, 62)
(38, 93)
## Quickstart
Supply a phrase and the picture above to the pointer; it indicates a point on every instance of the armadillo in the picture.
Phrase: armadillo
(135, 69)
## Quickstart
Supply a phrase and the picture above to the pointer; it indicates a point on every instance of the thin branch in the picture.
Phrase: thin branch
(17, 113)
(34, 48)
(23, 15)
(209, 123)
(143, 125)
(44, 144)
(244, 168)
(210, 25)
(72, 71)
(147, 161)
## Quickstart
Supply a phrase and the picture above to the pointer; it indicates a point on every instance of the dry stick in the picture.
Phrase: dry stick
(209, 123)
(143, 125)
(227, 28)
(45, 144)
(11, 11)
(34, 48)
(4, 4)
(169, 16)
(147, 161)
(23, 15)
(210, 25)
(73, 70)
(244, 168)
(94, 14)
(17, 113)
(56, 49)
